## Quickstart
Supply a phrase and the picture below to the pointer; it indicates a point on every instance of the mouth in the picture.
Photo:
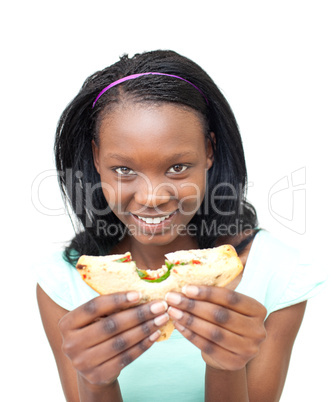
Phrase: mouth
(152, 222)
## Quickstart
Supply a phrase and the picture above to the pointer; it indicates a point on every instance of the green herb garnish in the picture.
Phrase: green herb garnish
(144, 275)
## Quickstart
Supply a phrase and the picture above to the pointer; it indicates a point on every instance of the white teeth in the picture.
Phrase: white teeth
(153, 220)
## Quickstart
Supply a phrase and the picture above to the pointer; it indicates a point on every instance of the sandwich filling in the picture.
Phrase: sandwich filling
(161, 274)
(126, 258)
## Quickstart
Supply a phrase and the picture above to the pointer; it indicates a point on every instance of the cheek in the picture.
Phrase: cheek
(191, 194)
(116, 194)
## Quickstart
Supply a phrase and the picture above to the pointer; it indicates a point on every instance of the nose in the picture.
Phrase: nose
(153, 193)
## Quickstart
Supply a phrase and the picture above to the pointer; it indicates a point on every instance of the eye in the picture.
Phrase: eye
(124, 170)
(177, 169)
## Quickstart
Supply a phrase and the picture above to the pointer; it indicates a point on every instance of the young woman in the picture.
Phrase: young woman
(150, 160)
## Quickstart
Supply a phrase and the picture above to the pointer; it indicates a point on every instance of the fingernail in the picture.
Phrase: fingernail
(155, 336)
(174, 298)
(175, 313)
(159, 307)
(179, 326)
(133, 296)
(190, 290)
(161, 319)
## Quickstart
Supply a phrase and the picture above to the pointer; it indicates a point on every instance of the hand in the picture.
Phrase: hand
(228, 327)
(104, 335)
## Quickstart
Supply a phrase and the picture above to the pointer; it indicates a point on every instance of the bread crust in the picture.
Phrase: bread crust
(212, 267)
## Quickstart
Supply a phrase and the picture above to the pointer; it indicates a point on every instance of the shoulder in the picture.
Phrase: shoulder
(61, 282)
(277, 274)
(269, 253)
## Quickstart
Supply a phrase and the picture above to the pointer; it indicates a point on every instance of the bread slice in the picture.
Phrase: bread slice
(212, 267)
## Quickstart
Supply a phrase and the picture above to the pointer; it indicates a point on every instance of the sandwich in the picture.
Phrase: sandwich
(118, 273)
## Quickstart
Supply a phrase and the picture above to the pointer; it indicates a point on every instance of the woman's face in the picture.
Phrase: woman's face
(152, 161)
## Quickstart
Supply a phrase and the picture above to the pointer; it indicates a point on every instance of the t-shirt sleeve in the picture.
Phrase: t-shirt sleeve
(278, 275)
(61, 281)
(306, 280)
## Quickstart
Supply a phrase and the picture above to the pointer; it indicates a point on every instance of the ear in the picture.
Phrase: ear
(95, 153)
(210, 150)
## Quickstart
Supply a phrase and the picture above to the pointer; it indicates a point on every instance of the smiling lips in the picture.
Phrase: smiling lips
(154, 220)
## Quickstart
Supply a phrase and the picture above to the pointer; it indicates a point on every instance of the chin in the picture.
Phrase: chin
(152, 239)
(155, 240)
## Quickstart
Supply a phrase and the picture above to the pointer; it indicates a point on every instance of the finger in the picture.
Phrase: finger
(228, 298)
(226, 359)
(111, 368)
(213, 333)
(117, 323)
(213, 313)
(112, 347)
(98, 307)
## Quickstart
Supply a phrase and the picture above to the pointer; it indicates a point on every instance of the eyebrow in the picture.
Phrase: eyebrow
(118, 156)
(127, 158)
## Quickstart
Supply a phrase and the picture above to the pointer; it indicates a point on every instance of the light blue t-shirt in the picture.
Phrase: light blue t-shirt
(274, 274)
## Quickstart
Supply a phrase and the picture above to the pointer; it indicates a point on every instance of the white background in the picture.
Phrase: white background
(274, 61)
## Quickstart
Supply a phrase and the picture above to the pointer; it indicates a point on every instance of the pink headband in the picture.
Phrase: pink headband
(133, 76)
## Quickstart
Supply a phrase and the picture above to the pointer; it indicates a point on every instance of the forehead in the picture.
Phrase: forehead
(164, 126)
